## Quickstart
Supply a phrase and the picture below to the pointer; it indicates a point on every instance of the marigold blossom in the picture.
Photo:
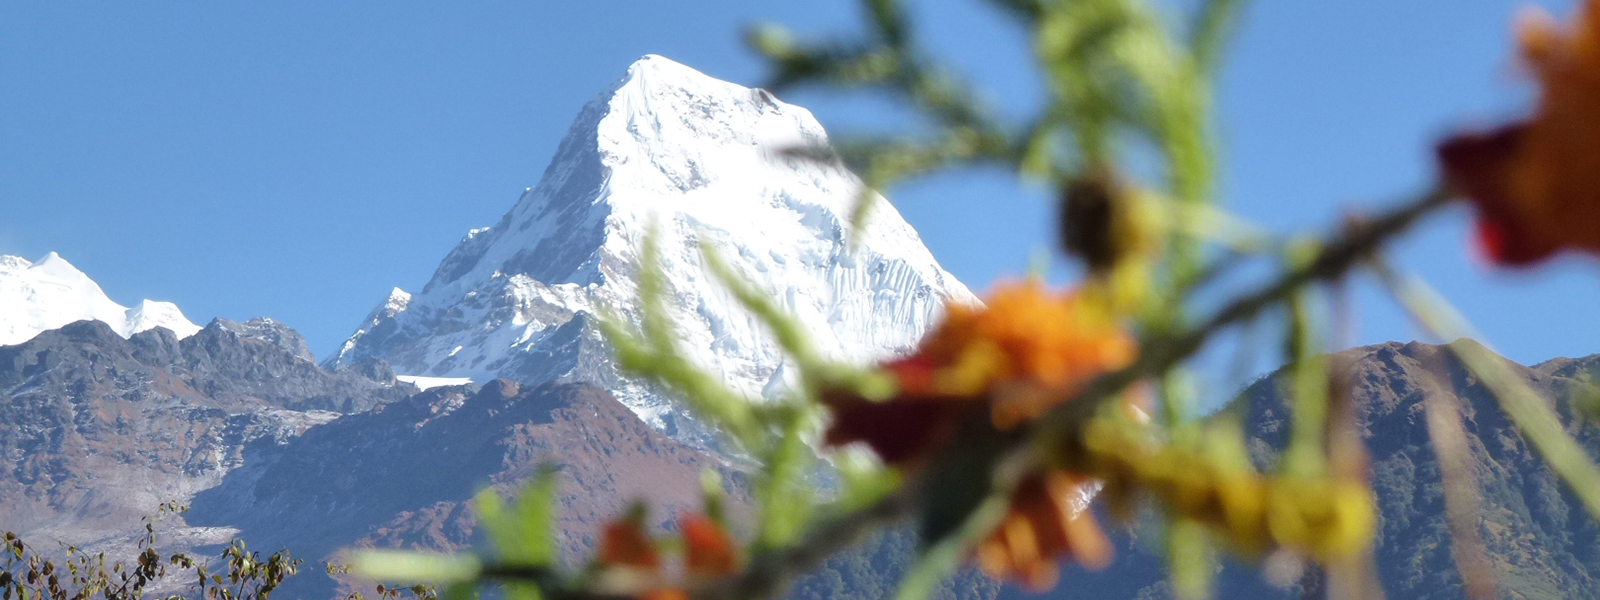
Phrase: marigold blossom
(1024, 353)
(1011, 361)
(1045, 524)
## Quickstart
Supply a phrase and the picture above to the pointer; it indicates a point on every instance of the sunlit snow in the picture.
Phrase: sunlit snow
(50, 293)
(703, 160)
(428, 383)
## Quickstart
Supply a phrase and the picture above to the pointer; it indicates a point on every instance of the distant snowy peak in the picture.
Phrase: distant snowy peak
(44, 295)
(668, 143)
(703, 161)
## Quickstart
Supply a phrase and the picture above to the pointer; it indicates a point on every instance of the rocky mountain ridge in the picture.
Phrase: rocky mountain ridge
(98, 430)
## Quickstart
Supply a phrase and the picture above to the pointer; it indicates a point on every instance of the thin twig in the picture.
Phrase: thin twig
(769, 571)
(1337, 258)
(1160, 354)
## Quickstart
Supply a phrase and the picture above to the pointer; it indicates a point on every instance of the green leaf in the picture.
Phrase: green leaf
(1213, 25)
(653, 354)
(523, 591)
(962, 480)
(715, 498)
(1028, 10)
(1190, 560)
(1308, 391)
(396, 565)
(962, 512)
(524, 534)
(790, 334)
(785, 499)
(890, 18)
(865, 479)
(461, 591)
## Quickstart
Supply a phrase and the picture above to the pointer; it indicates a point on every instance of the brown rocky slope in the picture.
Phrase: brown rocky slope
(402, 475)
(96, 430)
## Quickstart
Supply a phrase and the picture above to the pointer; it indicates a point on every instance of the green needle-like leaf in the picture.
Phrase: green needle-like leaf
(1532, 415)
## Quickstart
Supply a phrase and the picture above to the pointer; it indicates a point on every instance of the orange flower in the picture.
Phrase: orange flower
(665, 594)
(1020, 356)
(708, 549)
(1044, 526)
(1025, 353)
(1055, 341)
(635, 567)
(1536, 184)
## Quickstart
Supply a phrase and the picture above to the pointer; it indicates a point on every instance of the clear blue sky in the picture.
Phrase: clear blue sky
(298, 158)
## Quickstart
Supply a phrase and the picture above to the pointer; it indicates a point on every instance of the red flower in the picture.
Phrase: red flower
(1536, 184)
(708, 549)
(630, 558)
(624, 543)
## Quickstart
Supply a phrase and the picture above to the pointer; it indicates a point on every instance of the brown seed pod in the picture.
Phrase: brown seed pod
(1088, 208)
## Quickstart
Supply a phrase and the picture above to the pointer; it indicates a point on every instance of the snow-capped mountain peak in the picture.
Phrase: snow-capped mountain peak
(702, 160)
(50, 293)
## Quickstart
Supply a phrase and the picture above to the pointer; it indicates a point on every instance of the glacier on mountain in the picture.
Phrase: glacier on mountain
(703, 161)
(50, 293)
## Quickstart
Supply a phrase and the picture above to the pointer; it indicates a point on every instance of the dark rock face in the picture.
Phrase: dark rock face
(264, 362)
(96, 430)
(1541, 542)
(401, 475)
(270, 331)
(370, 368)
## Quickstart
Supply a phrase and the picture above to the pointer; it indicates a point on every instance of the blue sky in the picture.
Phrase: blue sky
(297, 158)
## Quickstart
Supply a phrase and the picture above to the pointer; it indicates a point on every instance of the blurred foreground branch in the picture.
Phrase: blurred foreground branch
(768, 571)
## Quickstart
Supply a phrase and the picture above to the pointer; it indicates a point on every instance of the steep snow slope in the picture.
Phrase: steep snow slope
(40, 296)
(701, 159)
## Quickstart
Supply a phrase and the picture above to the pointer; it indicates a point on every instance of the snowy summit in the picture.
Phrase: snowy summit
(44, 295)
(703, 160)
